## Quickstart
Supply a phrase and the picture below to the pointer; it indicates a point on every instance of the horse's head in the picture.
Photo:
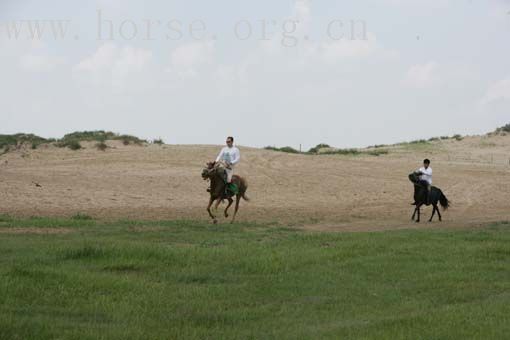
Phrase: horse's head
(414, 177)
(211, 170)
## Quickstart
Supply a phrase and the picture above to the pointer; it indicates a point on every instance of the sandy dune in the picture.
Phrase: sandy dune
(324, 192)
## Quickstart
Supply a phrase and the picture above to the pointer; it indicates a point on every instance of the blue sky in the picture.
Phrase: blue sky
(424, 68)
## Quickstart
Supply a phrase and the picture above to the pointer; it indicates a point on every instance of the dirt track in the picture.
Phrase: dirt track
(325, 192)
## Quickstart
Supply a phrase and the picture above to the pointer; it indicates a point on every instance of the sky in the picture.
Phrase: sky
(279, 73)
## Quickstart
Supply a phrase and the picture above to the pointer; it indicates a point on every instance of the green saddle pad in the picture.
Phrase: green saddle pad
(233, 188)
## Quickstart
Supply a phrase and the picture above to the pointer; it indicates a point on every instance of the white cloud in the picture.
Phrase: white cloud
(103, 58)
(422, 75)
(498, 90)
(131, 59)
(112, 64)
(187, 60)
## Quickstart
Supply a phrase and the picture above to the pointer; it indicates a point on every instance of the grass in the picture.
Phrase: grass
(182, 279)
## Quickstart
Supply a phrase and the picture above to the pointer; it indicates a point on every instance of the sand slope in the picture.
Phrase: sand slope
(324, 192)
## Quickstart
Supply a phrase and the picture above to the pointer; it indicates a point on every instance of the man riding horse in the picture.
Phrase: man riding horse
(425, 173)
(224, 184)
(230, 157)
(425, 193)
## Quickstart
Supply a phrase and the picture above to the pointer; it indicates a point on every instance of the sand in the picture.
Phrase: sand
(320, 192)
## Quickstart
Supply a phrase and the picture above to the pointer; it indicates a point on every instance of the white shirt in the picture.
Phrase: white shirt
(229, 155)
(426, 174)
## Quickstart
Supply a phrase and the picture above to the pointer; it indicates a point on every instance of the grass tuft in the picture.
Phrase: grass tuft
(81, 217)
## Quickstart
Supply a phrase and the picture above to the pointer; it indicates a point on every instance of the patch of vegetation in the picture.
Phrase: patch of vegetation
(5, 218)
(318, 147)
(286, 149)
(8, 141)
(377, 152)
(99, 136)
(185, 279)
(158, 141)
(81, 217)
(128, 139)
(71, 144)
(82, 136)
(457, 137)
(342, 152)
(505, 128)
(101, 146)
(419, 141)
(434, 139)
(330, 151)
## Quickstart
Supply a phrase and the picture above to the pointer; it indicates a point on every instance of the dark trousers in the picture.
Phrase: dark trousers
(427, 187)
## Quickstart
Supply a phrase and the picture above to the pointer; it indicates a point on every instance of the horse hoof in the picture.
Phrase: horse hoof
(215, 221)
(226, 215)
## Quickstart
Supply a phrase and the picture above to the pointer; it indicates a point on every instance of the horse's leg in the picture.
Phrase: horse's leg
(217, 204)
(238, 198)
(211, 200)
(230, 201)
(418, 206)
(434, 208)
(439, 214)
(414, 214)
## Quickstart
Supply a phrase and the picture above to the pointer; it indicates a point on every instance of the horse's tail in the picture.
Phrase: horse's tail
(443, 201)
(244, 187)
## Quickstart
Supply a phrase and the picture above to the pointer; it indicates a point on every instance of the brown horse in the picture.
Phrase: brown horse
(215, 172)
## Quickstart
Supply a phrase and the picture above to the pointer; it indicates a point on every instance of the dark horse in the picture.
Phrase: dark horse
(215, 172)
(420, 197)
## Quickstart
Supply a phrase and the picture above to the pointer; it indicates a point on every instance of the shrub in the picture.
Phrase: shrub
(100, 136)
(458, 137)
(377, 152)
(34, 141)
(73, 145)
(158, 141)
(434, 139)
(342, 152)
(316, 148)
(505, 128)
(287, 149)
(101, 146)
(418, 141)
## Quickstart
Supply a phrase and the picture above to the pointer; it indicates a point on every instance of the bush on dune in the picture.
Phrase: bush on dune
(287, 149)
(34, 141)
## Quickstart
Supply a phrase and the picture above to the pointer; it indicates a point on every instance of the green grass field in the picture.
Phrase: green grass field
(175, 280)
